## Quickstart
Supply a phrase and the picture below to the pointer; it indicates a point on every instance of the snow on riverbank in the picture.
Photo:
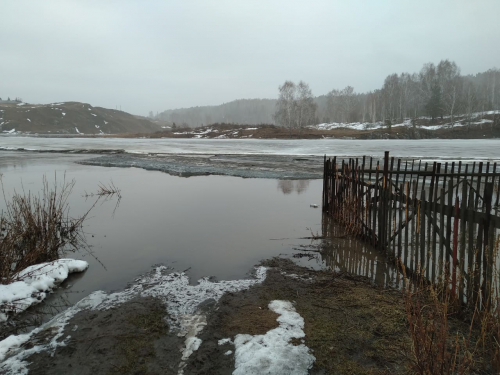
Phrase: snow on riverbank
(273, 353)
(458, 121)
(32, 285)
(181, 300)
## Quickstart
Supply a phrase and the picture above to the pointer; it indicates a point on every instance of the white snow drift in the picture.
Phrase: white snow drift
(33, 283)
(273, 353)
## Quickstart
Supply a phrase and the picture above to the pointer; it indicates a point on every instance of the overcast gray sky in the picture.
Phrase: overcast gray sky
(157, 55)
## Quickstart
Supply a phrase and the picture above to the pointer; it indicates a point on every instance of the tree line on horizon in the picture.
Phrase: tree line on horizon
(435, 91)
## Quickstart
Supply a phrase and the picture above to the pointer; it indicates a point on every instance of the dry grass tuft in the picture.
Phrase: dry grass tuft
(443, 344)
(38, 228)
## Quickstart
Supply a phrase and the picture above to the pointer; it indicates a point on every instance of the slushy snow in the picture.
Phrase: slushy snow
(33, 283)
(180, 298)
(273, 353)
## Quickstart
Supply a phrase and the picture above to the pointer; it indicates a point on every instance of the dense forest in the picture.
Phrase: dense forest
(436, 91)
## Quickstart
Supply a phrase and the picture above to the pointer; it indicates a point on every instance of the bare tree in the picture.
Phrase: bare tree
(334, 106)
(295, 107)
(347, 103)
(470, 102)
(285, 106)
(391, 97)
(449, 80)
(305, 108)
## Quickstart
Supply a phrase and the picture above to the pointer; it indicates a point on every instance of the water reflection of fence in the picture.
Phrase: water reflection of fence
(349, 254)
(437, 219)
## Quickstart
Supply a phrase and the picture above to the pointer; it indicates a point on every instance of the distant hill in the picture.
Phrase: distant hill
(243, 111)
(70, 118)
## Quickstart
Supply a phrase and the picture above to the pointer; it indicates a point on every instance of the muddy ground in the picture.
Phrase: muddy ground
(351, 327)
(132, 338)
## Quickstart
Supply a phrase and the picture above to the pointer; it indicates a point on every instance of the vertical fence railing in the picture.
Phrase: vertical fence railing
(435, 219)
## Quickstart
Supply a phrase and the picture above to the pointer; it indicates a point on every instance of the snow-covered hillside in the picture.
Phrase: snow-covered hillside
(477, 118)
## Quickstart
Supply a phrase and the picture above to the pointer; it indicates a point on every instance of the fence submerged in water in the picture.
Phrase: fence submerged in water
(434, 218)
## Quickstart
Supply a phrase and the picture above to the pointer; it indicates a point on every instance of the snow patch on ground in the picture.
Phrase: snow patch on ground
(225, 341)
(273, 353)
(12, 355)
(173, 289)
(228, 133)
(191, 325)
(78, 131)
(11, 131)
(93, 114)
(29, 120)
(354, 125)
(32, 285)
(63, 113)
(407, 123)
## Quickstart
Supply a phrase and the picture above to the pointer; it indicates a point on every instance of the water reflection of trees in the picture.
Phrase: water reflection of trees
(347, 254)
(290, 186)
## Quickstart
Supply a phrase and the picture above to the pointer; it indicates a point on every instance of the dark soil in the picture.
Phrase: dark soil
(132, 338)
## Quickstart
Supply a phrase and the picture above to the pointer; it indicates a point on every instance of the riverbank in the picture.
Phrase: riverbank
(482, 127)
(328, 323)
(141, 332)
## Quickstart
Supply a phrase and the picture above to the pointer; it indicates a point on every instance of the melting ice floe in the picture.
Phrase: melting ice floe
(180, 299)
(33, 283)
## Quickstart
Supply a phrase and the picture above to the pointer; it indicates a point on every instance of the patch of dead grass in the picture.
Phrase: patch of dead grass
(250, 319)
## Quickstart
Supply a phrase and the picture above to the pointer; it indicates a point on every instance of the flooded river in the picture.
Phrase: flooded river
(209, 225)
(212, 225)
